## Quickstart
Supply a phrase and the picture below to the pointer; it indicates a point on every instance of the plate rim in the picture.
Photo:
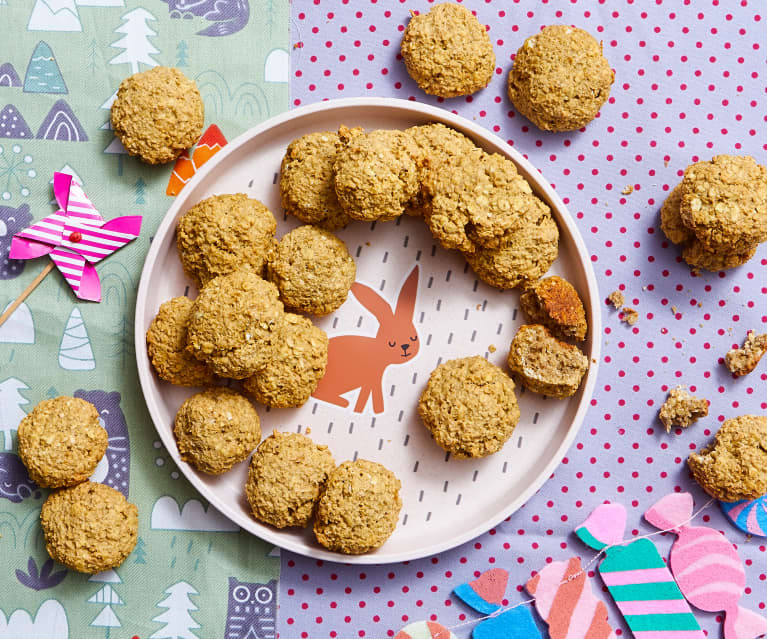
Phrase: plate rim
(146, 375)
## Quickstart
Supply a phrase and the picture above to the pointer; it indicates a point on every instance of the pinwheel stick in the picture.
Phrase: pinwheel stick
(25, 293)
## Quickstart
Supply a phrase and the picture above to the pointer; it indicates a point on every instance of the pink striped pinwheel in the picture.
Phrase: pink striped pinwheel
(76, 237)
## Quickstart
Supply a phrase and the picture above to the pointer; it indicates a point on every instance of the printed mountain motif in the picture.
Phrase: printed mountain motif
(13, 125)
(8, 76)
(61, 124)
(43, 73)
(227, 16)
(54, 15)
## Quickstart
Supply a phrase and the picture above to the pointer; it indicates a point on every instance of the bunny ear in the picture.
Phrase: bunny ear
(407, 295)
(372, 301)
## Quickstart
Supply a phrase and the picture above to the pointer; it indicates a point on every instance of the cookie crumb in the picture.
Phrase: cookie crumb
(682, 409)
(616, 299)
(492, 348)
(630, 316)
(627, 190)
(673, 310)
(741, 361)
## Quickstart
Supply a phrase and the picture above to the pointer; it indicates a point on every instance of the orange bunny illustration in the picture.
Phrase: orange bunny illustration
(356, 361)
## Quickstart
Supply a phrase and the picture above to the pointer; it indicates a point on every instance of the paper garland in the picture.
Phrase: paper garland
(707, 567)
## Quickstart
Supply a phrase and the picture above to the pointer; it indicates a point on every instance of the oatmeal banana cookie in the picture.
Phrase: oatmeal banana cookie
(741, 361)
(312, 269)
(560, 78)
(529, 253)
(299, 362)
(555, 303)
(359, 507)
(448, 52)
(224, 233)
(681, 409)
(545, 365)
(216, 429)
(437, 144)
(376, 174)
(734, 467)
(166, 345)
(287, 473)
(671, 220)
(724, 203)
(157, 114)
(235, 324)
(61, 441)
(307, 178)
(469, 406)
(89, 527)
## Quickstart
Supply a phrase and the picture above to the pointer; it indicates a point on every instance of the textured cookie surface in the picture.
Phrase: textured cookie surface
(313, 270)
(235, 324)
(530, 252)
(469, 406)
(698, 256)
(724, 203)
(157, 114)
(297, 365)
(62, 441)
(448, 52)
(376, 174)
(681, 409)
(166, 345)
(555, 303)
(216, 429)
(560, 79)
(543, 364)
(734, 467)
(224, 233)
(307, 180)
(285, 478)
(359, 507)
(741, 361)
(671, 219)
(89, 527)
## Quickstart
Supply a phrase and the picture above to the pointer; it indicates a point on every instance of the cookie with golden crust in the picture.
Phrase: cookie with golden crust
(307, 178)
(544, 364)
(299, 362)
(166, 346)
(61, 441)
(89, 527)
(376, 174)
(681, 409)
(224, 233)
(560, 78)
(529, 253)
(698, 256)
(724, 203)
(216, 429)
(447, 51)
(469, 406)
(734, 466)
(157, 114)
(671, 219)
(358, 508)
(287, 473)
(555, 303)
(235, 324)
(312, 269)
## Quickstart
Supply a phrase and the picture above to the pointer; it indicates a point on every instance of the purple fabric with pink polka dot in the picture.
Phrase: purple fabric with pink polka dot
(691, 82)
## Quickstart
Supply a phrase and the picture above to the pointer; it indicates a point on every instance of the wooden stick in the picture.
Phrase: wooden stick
(25, 293)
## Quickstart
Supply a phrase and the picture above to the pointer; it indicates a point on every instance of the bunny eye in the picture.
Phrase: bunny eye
(392, 344)
(414, 338)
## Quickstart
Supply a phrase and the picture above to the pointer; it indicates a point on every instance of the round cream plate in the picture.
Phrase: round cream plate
(445, 501)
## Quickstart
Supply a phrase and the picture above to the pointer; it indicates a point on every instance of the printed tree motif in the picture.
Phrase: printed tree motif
(177, 620)
(114, 147)
(182, 52)
(124, 349)
(92, 64)
(107, 596)
(140, 191)
(75, 352)
(135, 43)
(139, 554)
(11, 413)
